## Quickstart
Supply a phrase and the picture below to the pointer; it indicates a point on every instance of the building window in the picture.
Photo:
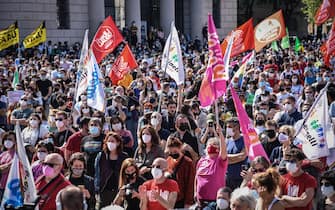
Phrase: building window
(116, 9)
(110, 8)
(63, 14)
(217, 13)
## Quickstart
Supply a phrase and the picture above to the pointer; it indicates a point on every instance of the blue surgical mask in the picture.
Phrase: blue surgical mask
(94, 130)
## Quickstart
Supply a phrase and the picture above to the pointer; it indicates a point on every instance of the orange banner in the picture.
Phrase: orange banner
(243, 39)
(269, 30)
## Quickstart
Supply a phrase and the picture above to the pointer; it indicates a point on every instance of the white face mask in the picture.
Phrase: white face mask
(59, 124)
(282, 137)
(222, 203)
(154, 121)
(8, 144)
(111, 146)
(156, 173)
(146, 138)
(33, 123)
(288, 107)
(327, 191)
(291, 167)
(41, 155)
(117, 126)
(230, 132)
(85, 111)
(264, 111)
(23, 103)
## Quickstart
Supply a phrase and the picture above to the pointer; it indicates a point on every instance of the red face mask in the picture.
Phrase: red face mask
(212, 149)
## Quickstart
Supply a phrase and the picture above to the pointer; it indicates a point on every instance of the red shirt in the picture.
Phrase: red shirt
(48, 194)
(295, 186)
(74, 141)
(165, 188)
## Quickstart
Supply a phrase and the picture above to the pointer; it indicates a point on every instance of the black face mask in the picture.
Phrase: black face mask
(174, 155)
(260, 122)
(271, 133)
(183, 126)
(130, 176)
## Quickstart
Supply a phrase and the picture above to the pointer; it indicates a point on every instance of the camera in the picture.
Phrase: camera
(210, 124)
(129, 190)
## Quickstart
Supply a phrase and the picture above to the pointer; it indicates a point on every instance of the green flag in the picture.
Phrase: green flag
(285, 42)
(274, 46)
(297, 46)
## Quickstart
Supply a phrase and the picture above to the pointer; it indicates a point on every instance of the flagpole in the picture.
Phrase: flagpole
(311, 109)
(165, 68)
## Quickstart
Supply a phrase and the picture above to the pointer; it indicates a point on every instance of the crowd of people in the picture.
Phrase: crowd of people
(155, 147)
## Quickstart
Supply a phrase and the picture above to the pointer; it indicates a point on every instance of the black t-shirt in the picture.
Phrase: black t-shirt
(133, 203)
(61, 137)
(269, 146)
(43, 86)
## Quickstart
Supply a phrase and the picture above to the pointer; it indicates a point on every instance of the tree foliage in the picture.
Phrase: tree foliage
(309, 9)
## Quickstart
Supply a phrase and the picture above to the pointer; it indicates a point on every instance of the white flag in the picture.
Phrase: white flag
(172, 60)
(13, 195)
(316, 130)
(29, 189)
(95, 89)
(226, 57)
(81, 82)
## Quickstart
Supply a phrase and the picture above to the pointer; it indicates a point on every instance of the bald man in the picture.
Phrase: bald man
(159, 193)
(51, 182)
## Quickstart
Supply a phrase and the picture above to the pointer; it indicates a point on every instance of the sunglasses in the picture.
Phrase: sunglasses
(258, 170)
(326, 184)
(156, 166)
(49, 164)
(59, 119)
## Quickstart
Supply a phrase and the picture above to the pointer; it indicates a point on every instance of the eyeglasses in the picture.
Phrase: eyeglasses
(59, 119)
(153, 117)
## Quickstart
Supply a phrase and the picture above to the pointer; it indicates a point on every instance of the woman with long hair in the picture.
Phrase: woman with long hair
(129, 182)
(148, 150)
(107, 168)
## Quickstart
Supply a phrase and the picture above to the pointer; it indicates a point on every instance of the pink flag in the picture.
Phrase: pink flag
(213, 84)
(251, 141)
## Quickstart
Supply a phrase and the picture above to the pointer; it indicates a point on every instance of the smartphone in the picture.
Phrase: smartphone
(210, 124)
(245, 167)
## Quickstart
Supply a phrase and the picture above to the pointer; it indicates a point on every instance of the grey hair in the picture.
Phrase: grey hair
(243, 195)
(158, 115)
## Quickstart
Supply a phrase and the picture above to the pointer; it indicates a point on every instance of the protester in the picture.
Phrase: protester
(43, 148)
(297, 187)
(129, 182)
(181, 169)
(51, 183)
(267, 185)
(77, 177)
(71, 198)
(327, 181)
(160, 192)
(147, 151)
(258, 165)
(107, 168)
(210, 168)
(6, 157)
(242, 199)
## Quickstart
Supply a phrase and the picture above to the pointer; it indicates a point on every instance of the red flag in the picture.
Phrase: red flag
(269, 30)
(123, 64)
(325, 11)
(243, 39)
(106, 39)
(328, 48)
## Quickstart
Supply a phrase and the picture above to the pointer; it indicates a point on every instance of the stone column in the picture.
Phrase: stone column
(199, 12)
(167, 15)
(96, 13)
(133, 13)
